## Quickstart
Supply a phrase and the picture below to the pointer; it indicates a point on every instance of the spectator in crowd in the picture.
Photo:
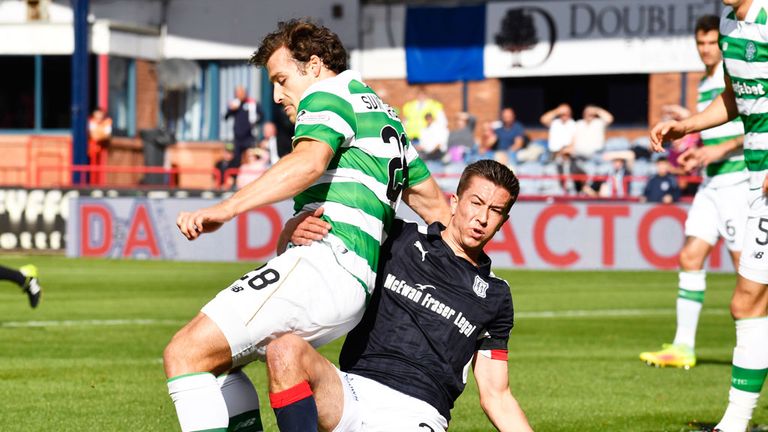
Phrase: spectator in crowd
(589, 132)
(434, 140)
(485, 144)
(269, 142)
(662, 187)
(99, 136)
(222, 165)
(246, 113)
(254, 162)
(511, 135)
(561, 127)
(461, 139)
(415, 112)
(613, 183)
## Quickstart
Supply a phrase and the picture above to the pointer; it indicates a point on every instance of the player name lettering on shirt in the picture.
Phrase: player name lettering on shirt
(420, 296)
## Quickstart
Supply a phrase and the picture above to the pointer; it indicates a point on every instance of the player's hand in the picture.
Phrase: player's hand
(206, 220)
(689, 160)
(665, 131)
(307, 228)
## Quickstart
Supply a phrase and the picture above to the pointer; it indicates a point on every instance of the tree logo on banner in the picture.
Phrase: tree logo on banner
(518, 33)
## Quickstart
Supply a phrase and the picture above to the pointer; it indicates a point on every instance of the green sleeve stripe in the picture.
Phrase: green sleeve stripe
(697, 296)
(745, 88)
(323, 101)
(725, 167)
(356, 87)
(709, 95)
(737, 48)
(748, 380)
(320, 132)
(357, 240)
(417, 172)
(351, 194)
(719, 140)
(757, 160)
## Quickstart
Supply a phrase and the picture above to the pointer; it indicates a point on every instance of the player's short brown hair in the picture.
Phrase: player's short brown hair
(707, 23)
(494, 171)
(303, 38)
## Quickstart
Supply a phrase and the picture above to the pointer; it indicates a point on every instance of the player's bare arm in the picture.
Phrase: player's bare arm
(702, 156)
(291, 175)
(428, 201)
(500, 406)
(303, 229)
(722, 109)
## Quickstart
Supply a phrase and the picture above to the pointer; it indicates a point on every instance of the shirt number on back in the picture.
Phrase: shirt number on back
(395, 183)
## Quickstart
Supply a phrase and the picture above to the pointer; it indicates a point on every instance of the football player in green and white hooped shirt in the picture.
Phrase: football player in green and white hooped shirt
(719, 208)
(744, 42)
(352, 158)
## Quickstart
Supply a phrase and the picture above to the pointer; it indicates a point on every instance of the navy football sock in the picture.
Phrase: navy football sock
(12, 275)
(295, 409)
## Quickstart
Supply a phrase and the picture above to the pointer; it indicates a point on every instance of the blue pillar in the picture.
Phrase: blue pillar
(80, 85)
(215, 112)
(266, 95)
(38, 92)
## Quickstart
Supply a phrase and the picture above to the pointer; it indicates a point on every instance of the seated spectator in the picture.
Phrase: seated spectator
(662, 187)
(561, 127)
(415, 111)
(255, 162)
(485, 144)
(461, 140)
(589, 132)
(614, 184)
(434, 140)
(226, 179)
(511, 135)
(269, 142)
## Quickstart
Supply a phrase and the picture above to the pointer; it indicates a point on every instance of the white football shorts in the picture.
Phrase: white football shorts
(304, 291)
(373, 407)
(719, 212)
(754, 258)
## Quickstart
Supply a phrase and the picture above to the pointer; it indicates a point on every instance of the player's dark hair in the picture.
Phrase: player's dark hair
(494, 171)
(707, 23)
(303, 39)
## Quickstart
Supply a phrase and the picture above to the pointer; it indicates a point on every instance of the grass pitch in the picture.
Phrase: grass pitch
(89, 358)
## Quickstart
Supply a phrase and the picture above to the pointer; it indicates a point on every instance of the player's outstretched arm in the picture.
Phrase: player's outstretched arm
(721, 110)
(495, 398)
(290, 175)
(428, 201)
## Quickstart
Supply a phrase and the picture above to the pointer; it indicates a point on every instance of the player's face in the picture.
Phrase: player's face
(479, 212)
(706, 44)
(289, 80)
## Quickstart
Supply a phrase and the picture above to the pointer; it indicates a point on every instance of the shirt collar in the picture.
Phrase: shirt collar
(483, 261)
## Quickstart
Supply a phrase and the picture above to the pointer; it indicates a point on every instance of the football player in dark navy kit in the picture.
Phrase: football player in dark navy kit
(437, 307)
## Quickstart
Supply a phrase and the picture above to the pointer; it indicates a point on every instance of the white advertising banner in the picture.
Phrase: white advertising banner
(539, 38)
(580, 235)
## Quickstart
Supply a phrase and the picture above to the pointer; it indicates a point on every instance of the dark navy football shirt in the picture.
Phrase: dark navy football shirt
(430, 312)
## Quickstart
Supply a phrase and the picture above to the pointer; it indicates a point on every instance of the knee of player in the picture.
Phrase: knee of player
(285, 352)
(178, 356)
(690, 260)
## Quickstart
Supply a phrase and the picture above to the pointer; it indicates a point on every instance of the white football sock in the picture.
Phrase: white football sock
(690, 297)
(199, 403)
(242, 401)
(750, 364)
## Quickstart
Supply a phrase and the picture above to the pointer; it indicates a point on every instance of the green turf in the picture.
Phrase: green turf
(568, 373)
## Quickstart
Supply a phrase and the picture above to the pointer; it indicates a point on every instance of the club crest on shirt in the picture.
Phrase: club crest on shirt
(750, 50)
(480, 287)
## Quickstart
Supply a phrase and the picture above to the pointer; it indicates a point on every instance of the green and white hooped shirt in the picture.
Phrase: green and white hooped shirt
(373, 163)
(745, 53)
(730, 170)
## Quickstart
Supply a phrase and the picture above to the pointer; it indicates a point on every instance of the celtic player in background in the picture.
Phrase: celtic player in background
(719, 208)
(743, 41)
(351, 156)
(26, 278)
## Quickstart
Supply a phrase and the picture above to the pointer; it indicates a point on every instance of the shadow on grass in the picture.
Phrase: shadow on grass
(706, 361)
(708, 427)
